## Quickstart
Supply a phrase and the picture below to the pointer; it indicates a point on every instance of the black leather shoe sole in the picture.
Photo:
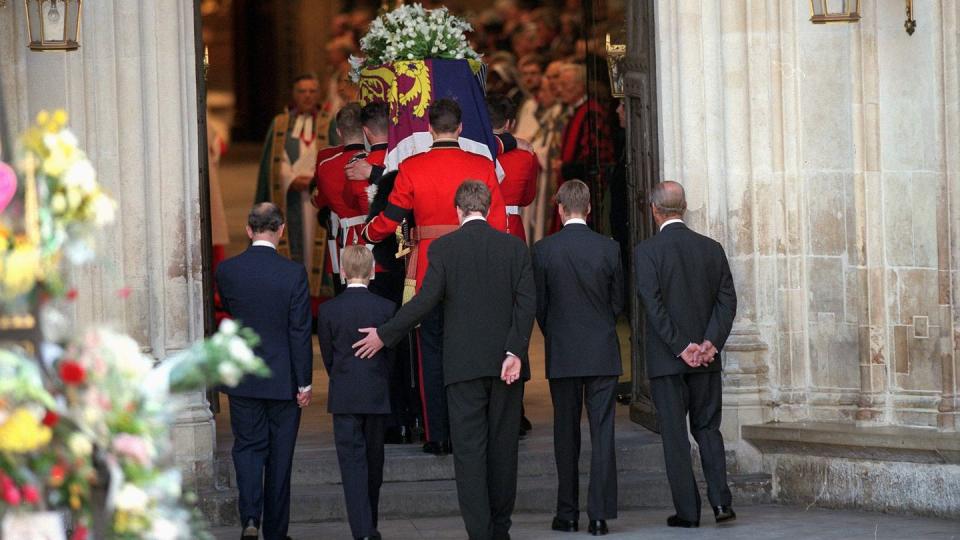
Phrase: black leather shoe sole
(564, 525)
(724, 513)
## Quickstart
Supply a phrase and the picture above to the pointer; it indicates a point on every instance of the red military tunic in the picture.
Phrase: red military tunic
(519, 186)
(426, 185)
(331, 183)
(355, 191)
(318, 199)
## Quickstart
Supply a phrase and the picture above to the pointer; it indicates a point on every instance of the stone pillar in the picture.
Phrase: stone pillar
(948, 418)
(130, 91)
(874, 339)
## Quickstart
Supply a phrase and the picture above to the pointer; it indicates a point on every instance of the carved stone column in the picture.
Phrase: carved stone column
(131, 94)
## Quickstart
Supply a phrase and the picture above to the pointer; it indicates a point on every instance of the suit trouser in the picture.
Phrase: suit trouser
(485, 426)
(264, 436)
(436, 421)
(700, 395)
(568, 395)
(359, 440)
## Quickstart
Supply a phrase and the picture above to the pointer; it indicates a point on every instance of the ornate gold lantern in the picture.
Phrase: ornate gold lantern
(616, 54)
(53, 25)
(834, 11)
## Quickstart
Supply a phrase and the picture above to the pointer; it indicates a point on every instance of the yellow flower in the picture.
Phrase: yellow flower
(43, 117)
(23, 432)
(21, 270)
(60, 117)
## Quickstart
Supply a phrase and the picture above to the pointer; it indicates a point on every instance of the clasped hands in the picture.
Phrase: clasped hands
(699, 355)
(371, 345)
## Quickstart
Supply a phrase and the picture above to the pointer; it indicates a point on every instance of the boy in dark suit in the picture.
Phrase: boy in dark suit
(359, 396)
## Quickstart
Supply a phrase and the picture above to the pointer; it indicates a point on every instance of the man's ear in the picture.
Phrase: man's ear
(588, 209)
(283, 227)
(249, 232)
(459, 129)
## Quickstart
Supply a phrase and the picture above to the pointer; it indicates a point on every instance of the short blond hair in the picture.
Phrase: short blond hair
(356, 262)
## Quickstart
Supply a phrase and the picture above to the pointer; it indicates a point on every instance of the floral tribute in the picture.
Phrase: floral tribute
(411, 32)
(70, 205)
(85, 429)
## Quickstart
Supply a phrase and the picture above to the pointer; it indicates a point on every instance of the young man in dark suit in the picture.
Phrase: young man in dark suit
(482, 278)
(579, 295)
(359, 396)
(684, 283)
(268, 293)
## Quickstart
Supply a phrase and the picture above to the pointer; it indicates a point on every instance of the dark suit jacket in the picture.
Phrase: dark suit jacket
(484, 279)
(357, 385)
(579, 295)
(268, 293)
(684, 283)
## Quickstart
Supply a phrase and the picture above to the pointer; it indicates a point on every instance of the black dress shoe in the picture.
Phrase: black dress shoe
(597, 527)
(565, 525)
(250, 531)
(674, 521)
(724, 512)
(436, 448)
(397, 435)
(525, 424)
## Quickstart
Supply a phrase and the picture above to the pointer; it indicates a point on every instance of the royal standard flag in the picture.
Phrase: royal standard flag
(409, 87)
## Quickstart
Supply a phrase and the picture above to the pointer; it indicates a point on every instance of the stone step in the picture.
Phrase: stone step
(324, 502)
(636, 452)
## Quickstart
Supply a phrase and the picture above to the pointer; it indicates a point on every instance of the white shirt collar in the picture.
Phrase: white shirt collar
(472, 218)
(575, 221)
(264, 243)
(355, 285)
(669, 221)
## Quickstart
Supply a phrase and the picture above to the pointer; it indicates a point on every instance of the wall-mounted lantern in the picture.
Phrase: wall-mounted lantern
(53, 25)
(834, 11)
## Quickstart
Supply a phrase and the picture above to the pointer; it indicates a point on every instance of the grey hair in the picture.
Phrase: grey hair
(669, 198)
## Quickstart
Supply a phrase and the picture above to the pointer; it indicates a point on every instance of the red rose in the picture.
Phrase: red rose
(30, 494)
(72, 295)
(72, 372)
(50, 419)
(11, 496)
(57, 475)
(80, 533)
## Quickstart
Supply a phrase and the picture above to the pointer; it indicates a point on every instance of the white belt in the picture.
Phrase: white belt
(352, 222)
(513, 210)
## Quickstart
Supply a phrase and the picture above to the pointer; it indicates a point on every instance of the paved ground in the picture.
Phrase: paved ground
(755, 523)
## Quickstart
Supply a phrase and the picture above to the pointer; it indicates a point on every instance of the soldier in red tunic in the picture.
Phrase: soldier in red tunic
(521, 168)
(332, 181)
(425, 187)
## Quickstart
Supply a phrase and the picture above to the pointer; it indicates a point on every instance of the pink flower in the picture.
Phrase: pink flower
(132, 447)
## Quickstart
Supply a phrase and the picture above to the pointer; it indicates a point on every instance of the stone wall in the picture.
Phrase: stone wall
(130, 91)
(826, 160)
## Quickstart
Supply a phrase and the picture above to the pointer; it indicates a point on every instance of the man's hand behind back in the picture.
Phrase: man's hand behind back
(304, 398)
(510, 371)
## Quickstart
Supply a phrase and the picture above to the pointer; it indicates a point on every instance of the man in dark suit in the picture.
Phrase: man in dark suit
(684, 283)
(359, 396)
(268, 293)
(484, 281)
(579, 295)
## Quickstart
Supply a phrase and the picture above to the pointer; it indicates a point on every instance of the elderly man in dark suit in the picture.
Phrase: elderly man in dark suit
(684, 283)
(268, 293)
(359, 395)
(482, 278)
(579, 295)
